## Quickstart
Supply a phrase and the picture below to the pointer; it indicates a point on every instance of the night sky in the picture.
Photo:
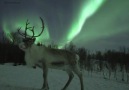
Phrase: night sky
(93, 24)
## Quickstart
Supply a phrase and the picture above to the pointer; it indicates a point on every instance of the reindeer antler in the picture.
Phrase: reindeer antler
(31, 29)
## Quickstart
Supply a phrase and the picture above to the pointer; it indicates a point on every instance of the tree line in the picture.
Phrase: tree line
(9, 52)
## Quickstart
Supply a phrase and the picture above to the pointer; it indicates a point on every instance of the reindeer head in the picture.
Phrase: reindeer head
(28, 40)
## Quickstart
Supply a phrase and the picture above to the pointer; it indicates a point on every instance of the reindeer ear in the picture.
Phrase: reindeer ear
(22, 46)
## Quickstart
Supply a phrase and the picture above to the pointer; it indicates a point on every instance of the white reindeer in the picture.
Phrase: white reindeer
(45, 57)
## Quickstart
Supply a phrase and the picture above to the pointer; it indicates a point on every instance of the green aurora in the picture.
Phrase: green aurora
(106, 23)
(87, 10)
(93, 20)
(20, 23)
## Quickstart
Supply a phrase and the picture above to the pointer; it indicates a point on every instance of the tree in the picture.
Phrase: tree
(83, 55)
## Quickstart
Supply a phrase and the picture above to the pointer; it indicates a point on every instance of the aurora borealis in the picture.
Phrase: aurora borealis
(94, 24)
(20, 23)
(88, 8)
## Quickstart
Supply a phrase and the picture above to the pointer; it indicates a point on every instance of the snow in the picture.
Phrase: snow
(24, 78)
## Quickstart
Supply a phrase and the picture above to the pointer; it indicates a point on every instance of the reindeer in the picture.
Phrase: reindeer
(44, 57)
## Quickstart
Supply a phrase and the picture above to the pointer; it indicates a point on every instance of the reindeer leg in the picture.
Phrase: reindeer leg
(79, 74)
(71, 75)
(45, 74)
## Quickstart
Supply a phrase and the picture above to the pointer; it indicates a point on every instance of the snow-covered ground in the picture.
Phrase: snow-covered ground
(24, 78)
